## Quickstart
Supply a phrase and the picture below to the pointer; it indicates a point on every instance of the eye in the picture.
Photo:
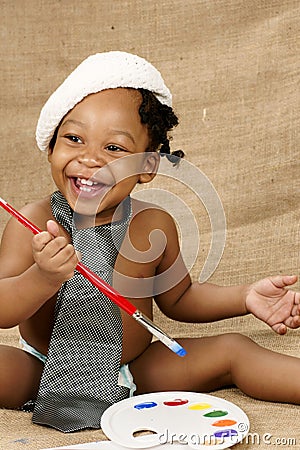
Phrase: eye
(115, 148)
(73, 138)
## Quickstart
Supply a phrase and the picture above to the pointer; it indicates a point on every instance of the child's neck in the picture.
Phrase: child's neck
(103, 218)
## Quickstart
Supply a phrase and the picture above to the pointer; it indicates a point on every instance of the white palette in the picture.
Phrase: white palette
(175, 420)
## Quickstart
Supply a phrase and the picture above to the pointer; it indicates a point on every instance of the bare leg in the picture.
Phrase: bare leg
(215, 362)
(20, 375)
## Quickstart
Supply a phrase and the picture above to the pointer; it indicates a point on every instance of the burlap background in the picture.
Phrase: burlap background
(233, 68)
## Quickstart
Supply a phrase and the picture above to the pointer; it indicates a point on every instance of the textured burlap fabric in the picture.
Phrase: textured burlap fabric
(233, 69)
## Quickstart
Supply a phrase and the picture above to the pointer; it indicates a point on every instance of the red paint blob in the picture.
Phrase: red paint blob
(176, 402)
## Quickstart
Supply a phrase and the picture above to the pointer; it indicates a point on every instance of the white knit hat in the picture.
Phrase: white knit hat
(98, 72)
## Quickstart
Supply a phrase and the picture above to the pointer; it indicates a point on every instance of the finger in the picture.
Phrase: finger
(281, 281)
(46, 251)
(293, 322)
(52, 228)
(59, 250)
(295, 310)
(279, 328)
(297, 298)
(68, 264)
(68, 268)
(39, 241)
(62, 263)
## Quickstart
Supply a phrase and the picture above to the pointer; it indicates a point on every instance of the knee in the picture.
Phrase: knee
(233, 342)
(6, 377)
(19, 377)
(150, 370)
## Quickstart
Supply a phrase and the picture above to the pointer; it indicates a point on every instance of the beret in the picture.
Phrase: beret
(96, 73)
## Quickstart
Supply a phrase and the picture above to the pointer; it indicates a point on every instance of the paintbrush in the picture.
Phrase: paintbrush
(108, 290)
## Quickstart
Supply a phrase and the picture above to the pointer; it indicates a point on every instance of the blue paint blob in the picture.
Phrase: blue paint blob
(145, 405)
(226, 433)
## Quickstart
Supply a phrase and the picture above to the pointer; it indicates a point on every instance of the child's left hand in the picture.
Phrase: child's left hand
(270, 301)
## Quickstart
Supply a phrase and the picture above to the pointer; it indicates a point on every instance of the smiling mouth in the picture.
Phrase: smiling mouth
(88, 187)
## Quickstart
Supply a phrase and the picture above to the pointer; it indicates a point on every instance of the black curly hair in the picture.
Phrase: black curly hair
(159, 118)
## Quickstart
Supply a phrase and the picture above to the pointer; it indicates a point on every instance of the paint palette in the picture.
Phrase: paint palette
(174, 419)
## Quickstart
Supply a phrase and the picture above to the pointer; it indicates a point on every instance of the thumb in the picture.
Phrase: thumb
(281, 281)
(52, 228)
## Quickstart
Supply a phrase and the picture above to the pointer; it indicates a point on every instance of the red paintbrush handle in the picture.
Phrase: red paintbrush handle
(104, 287)
(108, 290)
(22, 219)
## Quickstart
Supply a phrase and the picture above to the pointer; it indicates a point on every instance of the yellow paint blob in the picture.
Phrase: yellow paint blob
(197, 406)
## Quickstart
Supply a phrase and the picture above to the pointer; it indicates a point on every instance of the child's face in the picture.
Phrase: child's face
(88, 160)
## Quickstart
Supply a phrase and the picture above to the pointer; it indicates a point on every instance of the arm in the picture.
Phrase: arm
(32, 270)
(206, 302)
(268, 299)
(182, 300)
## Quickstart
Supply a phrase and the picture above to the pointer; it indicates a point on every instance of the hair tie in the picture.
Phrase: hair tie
(173, 157)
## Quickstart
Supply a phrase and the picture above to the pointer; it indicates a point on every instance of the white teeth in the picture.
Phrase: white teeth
(87, 182)
(85, 189)
(85, 185)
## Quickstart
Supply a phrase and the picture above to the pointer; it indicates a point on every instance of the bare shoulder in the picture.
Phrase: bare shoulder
(152, 226)
(38, 212)
(151, 215)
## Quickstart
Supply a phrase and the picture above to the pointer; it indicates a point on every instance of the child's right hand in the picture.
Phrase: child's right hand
(54, 255)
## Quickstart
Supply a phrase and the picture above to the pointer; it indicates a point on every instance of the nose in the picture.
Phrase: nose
(91, 157)
(88, 161)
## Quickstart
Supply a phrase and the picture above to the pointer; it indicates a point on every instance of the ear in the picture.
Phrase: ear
(150, 167)
(49, 155)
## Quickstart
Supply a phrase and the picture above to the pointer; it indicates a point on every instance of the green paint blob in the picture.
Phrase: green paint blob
(217, 413)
